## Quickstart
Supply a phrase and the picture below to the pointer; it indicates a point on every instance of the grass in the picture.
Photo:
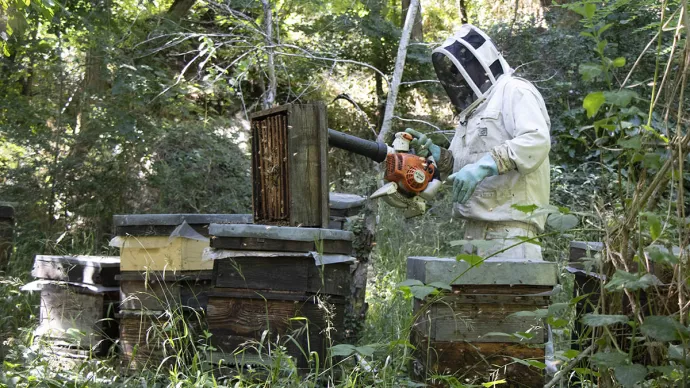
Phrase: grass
(381, 357)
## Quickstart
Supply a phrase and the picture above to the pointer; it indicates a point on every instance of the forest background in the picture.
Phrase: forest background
(120, 106)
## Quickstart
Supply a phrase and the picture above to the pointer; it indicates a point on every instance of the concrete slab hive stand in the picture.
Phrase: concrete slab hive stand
(274, 278)
(79, 294)
(289, 165)
(163, 279)
(459, 333)
(6, 234)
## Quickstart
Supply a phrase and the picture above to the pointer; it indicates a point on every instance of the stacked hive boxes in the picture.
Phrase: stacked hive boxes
(79, 295)
(277, 285)
(470, 331)
(163, 282)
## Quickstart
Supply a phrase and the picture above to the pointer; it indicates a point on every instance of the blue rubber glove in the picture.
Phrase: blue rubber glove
(423, 146)
(467, 179)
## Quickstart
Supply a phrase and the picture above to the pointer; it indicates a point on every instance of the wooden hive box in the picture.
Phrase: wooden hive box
(6, 234)
(270, 280)
(167, 242)
(149, 340)
(289, 165)
(162, 291)
(75, 315)
(457, 334)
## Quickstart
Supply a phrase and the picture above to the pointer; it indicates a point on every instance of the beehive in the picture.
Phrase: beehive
(457, 334)
(289, 165)
(273, 279)
(79, 298)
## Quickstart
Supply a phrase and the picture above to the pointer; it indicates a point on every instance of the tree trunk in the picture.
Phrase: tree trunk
(417, 28)
(271, 91)
(398, 72)
(179, 9)
(462, 8)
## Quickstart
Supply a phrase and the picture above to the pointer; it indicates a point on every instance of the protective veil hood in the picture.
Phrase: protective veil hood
(468, 65)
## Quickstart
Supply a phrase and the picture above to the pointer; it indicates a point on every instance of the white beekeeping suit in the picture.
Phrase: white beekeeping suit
(499, 154)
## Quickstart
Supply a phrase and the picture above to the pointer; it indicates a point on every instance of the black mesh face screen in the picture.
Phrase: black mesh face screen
(459, 92)
(471, 64)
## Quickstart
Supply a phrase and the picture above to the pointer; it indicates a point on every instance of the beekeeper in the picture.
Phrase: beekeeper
(499, 156)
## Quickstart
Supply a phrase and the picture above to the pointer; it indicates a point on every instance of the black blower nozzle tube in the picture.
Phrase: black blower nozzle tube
(373, 150)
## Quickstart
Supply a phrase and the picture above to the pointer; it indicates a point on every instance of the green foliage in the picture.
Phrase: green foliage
(194, 171)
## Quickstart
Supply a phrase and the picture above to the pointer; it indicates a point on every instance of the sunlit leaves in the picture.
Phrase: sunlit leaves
(593, 102)
(618, 62)
(525, 208)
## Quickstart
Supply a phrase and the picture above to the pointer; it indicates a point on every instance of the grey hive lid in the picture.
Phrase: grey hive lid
(493, 271)
(87, 261)
(166, 224)
(177, 219)
(278, 232)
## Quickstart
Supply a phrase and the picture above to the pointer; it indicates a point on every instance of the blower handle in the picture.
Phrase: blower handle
(373, 150)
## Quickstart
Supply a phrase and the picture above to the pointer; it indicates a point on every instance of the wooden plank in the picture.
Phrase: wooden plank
(78, 269)
(285, 274)
(475, 361)
(330, 279)
(308, 185)
(159, 295)
(142, 342)
(152, 295)
(235, 322)
(472, 323)
(168, 276)
(258, 244)
(270, 111)
(322, 133)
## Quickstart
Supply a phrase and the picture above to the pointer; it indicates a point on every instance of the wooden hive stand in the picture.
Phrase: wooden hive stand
(163, 283)
(458, 333)
(79, 297)
(291, 282)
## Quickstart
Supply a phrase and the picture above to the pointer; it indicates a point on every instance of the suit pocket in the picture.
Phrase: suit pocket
(486, 134)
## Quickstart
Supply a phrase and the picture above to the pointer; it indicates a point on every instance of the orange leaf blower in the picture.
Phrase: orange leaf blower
(410, 180)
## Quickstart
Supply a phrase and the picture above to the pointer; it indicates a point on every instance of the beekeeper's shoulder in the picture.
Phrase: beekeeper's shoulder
(519, 83)
(516, 87)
